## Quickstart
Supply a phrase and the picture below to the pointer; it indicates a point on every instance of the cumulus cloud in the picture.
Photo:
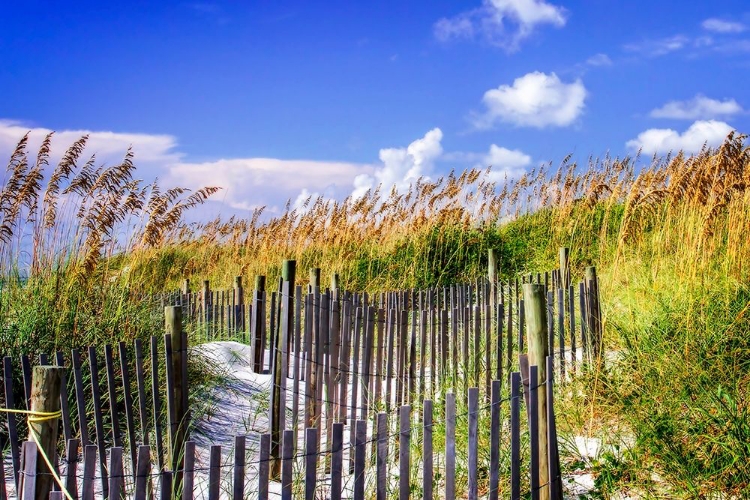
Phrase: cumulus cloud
(710, 132)
(697, 108)
(504, 23)
(534, 100)
(723, 26)
(402, 166)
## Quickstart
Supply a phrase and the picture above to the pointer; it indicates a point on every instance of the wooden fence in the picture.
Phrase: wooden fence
(363, 373)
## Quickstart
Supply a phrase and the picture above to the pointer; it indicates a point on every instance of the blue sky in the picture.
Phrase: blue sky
(275, 100)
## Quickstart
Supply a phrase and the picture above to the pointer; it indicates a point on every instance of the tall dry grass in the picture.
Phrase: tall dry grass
(669, 239)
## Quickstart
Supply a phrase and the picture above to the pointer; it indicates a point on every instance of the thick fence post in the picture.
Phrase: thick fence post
(536, 324)
(178, 403)
(45, 399)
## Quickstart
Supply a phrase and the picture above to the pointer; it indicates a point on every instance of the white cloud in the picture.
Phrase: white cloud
(697, 108)
(534, 100)
(252, 182)
(711, 133)
(722, 26)
(599, 60)
(504, 23)
(247, 182)
(402, 166)
(660, 46)
(150, 149)
(510, 163)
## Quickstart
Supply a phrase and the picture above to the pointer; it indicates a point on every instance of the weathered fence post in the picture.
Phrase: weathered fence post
(178, 404)
(45, 402)
(536, 328)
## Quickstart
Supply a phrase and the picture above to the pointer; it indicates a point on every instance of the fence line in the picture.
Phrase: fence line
(352, 355)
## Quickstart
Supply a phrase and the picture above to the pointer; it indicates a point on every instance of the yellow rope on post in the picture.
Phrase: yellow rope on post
(36, 417)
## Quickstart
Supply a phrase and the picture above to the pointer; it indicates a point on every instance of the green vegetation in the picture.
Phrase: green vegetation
(669, 241)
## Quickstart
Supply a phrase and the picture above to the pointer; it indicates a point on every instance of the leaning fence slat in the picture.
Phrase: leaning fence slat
(112, 393)
(359, 460)
(166, 485)
(126, 387)
(89, 471)
(403, 452)
(71, 459)
(116, 474)
(495, 439)
(156, 397)
(337, 461)
(26, 372)
(142, 470)
(515, 435)
(28, 484)
(450, 446)
(64, 407)
(382, 456)
(238, 479)
(311, 462)
(214, 472)
(141, 384)
(99, 421)
(572, 326)
(80, 397)
(287, 463)
(553, 454)
(355, 381)
(188, 481)
(264, 466)
(534, 430)
(427, 473)
(473, 443)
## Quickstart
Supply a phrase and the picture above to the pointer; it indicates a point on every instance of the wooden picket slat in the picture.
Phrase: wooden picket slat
(337, 461)
(359, 460)
(214, 472)
(311, 462)
(287, 463)
(264, 466)
(142, 470)
(116, 474)
(98, 421)
(382, 457)
(404, 450)
(238, 479)
(450, 446)
(89, 471)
